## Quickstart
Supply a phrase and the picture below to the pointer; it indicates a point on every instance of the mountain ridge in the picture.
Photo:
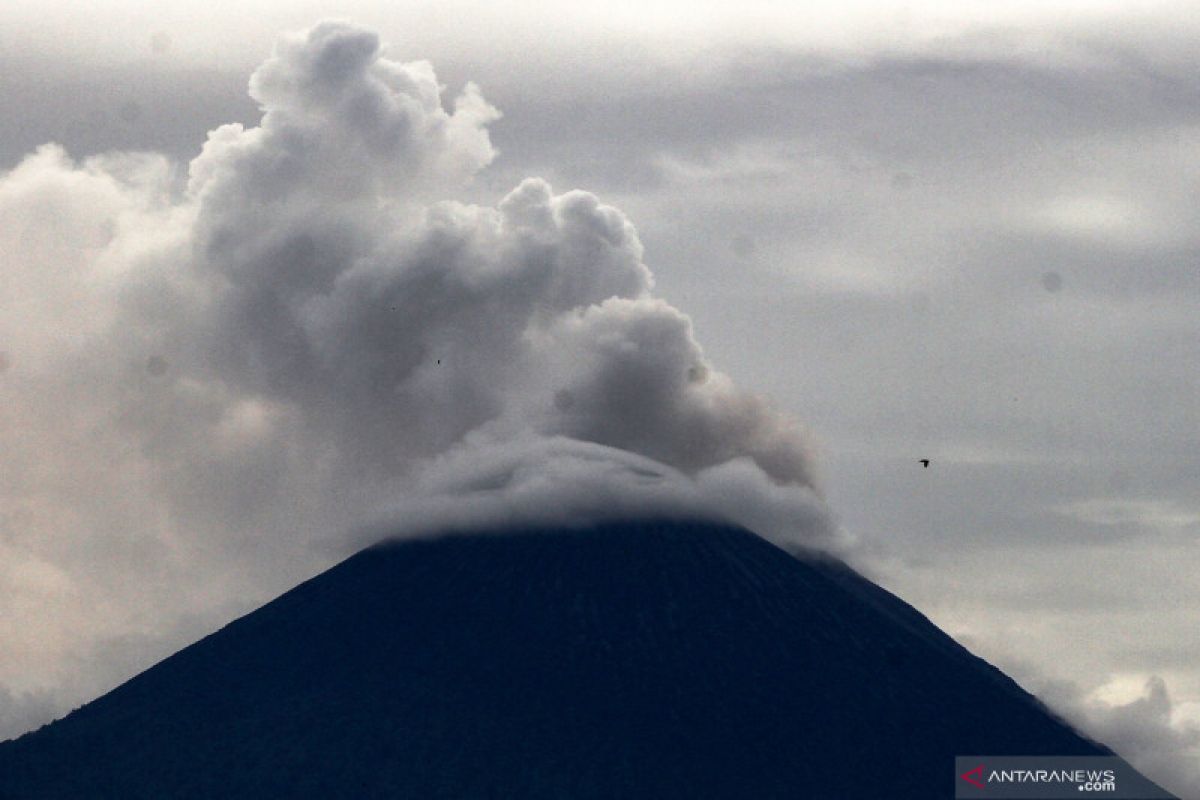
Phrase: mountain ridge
(633, 659)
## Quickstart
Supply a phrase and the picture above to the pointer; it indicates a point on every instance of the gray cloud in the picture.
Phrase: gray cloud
(24, 711)
(216, 375)
(1145, 730)
(167, 108)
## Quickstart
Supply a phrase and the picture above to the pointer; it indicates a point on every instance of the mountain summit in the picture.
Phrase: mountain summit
(632, 660)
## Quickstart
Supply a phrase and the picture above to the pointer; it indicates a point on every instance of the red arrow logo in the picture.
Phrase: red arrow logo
(977, 772)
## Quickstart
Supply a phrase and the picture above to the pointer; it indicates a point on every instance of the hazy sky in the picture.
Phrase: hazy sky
(956, 231)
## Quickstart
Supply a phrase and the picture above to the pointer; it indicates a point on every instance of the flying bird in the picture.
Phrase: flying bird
(925, 463)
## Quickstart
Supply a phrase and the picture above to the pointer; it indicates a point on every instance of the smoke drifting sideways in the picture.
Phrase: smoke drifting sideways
(211, 370)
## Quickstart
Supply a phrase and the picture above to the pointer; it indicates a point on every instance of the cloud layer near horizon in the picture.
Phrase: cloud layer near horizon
(206, 376)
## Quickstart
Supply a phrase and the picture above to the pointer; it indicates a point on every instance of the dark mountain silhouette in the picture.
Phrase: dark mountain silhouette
(636, 660)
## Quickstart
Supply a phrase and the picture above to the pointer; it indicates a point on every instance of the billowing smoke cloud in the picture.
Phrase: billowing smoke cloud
(207, 373)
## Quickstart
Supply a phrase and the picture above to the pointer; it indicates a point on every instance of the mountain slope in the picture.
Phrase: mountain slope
(630, 660)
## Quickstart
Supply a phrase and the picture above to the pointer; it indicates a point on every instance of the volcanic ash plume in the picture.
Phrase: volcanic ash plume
(204, 374)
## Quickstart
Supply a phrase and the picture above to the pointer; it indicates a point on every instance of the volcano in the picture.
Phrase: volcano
(658, 659)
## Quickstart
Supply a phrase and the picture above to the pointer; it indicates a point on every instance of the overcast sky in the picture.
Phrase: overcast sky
(962, 232)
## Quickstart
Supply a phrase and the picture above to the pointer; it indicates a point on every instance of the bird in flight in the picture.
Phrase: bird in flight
(925, 463)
